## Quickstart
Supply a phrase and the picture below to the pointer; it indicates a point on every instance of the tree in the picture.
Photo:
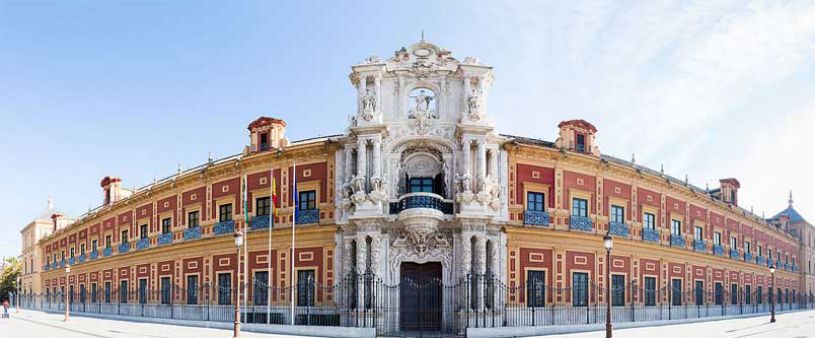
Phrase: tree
(11, 270)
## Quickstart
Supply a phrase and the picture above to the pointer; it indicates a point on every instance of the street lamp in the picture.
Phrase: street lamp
(772, 293)
(19, 287)
(67, 305)
(608, 243)
(238, 244)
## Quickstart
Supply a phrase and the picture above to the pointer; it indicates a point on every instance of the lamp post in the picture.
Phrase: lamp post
(67, 305)
(19, 287)
(238, 244)
(608, 243)
(772, 293)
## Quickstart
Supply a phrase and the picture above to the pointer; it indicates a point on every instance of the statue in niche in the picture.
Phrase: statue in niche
(465, 182)
(357, 184)
(423, 102)
(368, 102)
(474, 106)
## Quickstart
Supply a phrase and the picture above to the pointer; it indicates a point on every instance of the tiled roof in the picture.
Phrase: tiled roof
(790, 212)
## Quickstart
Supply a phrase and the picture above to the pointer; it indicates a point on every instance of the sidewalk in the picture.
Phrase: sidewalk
(29, 323)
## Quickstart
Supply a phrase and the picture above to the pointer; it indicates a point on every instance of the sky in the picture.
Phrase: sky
(707, 89)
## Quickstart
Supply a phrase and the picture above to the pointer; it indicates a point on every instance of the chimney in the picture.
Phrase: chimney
(112, 187)
(267, 133)
(729, 190)
(577, 136)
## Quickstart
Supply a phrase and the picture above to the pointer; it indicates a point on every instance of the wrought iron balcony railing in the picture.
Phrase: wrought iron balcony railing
(760, 260)
(142, 243)
(82, 258)
(124, 247)
(261, 222)
(650, 235)
(54, 265)
(107, 252)
(46, 267)
(307, 216)
(533, 217)
(224, 228)
(192, 233)
(421, 200)
(71, 261)
(734, 254)
(581, 223)
(94, 254)
(718, 250)
(618, 229)
(62, 263)
(699, 245)
(748, 257)
(678, 241)
(164, 239)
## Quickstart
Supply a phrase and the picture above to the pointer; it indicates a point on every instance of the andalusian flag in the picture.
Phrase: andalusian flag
(274, 196)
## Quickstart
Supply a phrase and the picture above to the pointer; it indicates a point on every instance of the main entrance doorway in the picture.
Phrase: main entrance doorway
(420, 297)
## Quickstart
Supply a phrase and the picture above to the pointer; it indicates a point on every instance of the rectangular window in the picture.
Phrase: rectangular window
(617, 290)
(747, 298)
(82, 293)
(123, 291)
(581, 143)
(260, 288)
(734, 243)
(82, 249)
(305, 288)
(534, 201)
(650, 291)
(617, 214)
(192, 289)
(108, 241)
(262, 206)
(166, 290)
(536, 288)
(698, 234)
(166, 225)
(717, 293)
(225, 212)
(107, 292)
(676, 291)
(308, 200)
(224, 288)
(71, 295)
(580, 289)
(72, 252)
(717, 238)
(124, 236)
(649, 221)
(759, 294)
(192, 219)
(142, 291)
(143, 231)
(734, 294)
(580, 207)
(760, 250)
(747, 247)
(676, 227)
(699, 292)
(264, 141)
(93, 292)
(94, 246)
(421, 184)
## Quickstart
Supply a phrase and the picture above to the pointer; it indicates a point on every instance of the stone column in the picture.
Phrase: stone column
(482, 161)
(361, 91)
(479, 258)
(376, 248)
(378, 87)
(494, 162)
(349, 153)
(377, 149)
(466, 254)
(466, 159)
(361, 159)
(362, 268)
(346, 258)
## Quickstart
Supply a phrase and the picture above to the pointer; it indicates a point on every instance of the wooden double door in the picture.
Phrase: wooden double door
(420, 297)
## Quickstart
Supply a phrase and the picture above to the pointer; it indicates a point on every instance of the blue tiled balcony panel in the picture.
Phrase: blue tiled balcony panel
(46, 267)
(165, 239)
(651, 235)
(260, 222)
(718, 250)
(734, 253)
(224, 228)
(580, 223)
(71, 261)
(700, 246)
(124, 247)
(143, 243)
(677, 241)
(618, 229)
(760, 260)
(192, 233)
(94, 254)
(308, 216)
(107, 252)
(82, 258)
(62, 263)
(533, 217)
(748, 257)
(54, 265)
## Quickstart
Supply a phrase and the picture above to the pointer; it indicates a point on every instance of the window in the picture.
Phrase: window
(698, 234)
(617, 214)
(123, 291)
(192, 289)
(676, 291)
(580, 207)
(747, 247)
(760, 251)
(72, 252)
(192, 219)
(698, 292)
(82, 293)
(305, 288)
(94, 246)
(166, 225)
(535, 201)
(617, 290)
(166, 288)
(676, 227)
(260, 290)
(142, 291)
(143, 231)
(717, 293)
(717, 238)
(107, 292)
(224, 287)
(769, 255)
(581, 143)
(747, 298)
(649, 221)
(580, 288)
(71, 295)
(536, 288)
(734, 243)
(734, 294)
(225, 212)
(759, 294)
(420, 184)
(308, 200)
(124, 236)
(93, 292)
(108, 241)
(82, 249)
(650, 291)
(264, 141)
(262, 206)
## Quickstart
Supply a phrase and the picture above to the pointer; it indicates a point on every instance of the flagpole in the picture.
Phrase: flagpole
(293, 220)
(245, 245)
(269, 253)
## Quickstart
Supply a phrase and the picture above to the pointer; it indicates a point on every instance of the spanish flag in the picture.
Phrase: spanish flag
(274, 197)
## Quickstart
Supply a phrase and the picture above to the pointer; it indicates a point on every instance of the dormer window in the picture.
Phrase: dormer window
(581, 143)
(264, 141)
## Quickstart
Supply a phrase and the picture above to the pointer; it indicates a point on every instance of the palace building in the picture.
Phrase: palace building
(421, 217)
